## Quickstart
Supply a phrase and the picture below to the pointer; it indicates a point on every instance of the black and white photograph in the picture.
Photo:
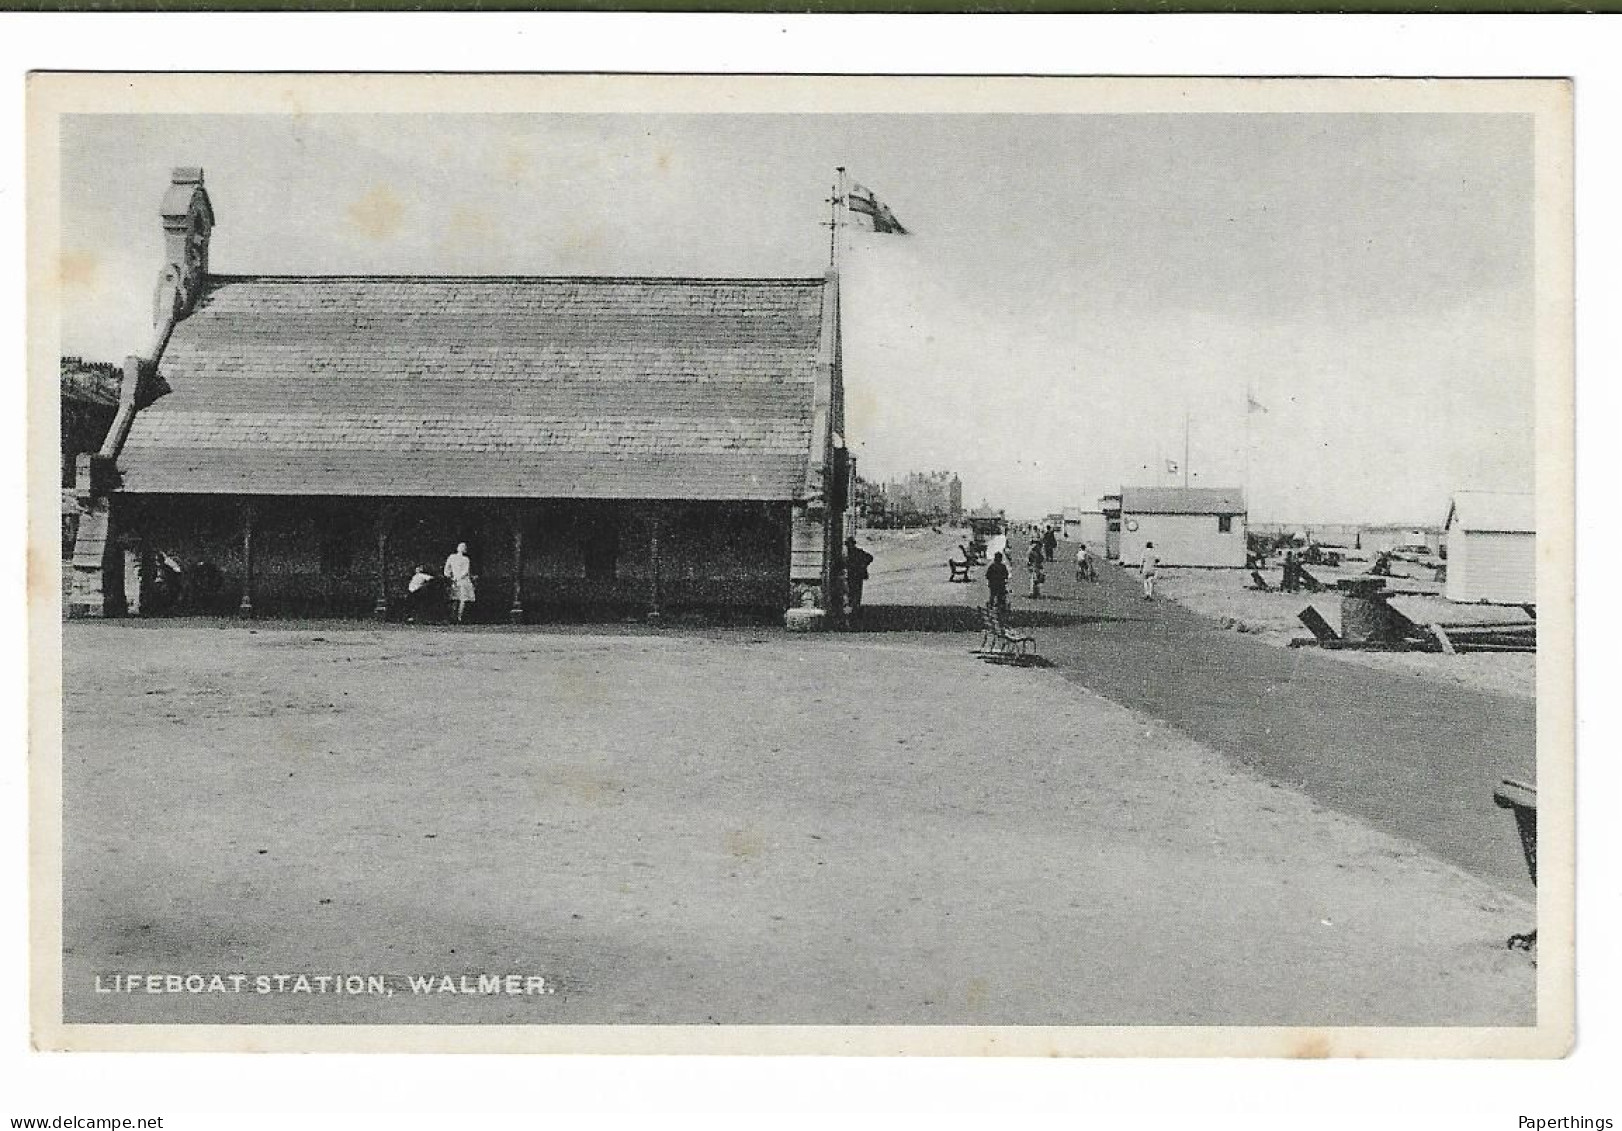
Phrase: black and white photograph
(805, 565)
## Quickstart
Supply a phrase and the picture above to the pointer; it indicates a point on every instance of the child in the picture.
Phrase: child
(417, 594)
(1084, 565)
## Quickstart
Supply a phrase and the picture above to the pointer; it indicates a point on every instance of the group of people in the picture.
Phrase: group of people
(1036, 558)
(1292, 572)
(997, 572)
(458, 576)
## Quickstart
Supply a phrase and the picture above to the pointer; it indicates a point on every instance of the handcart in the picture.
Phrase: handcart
(1522, 800)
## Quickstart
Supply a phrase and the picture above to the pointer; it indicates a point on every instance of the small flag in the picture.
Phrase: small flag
(1253, 404)
(1171, 467)
(861, 201)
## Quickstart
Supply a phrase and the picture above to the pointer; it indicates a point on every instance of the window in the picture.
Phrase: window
(1224, 524)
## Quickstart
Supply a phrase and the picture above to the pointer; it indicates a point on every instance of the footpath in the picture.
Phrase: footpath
(1413, 758)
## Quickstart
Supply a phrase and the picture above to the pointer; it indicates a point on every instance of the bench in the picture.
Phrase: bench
(1522, 800)
(997, 643)
(959, 570)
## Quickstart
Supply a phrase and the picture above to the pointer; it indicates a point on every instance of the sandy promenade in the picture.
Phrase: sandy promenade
(1273, 618)
(736, 826)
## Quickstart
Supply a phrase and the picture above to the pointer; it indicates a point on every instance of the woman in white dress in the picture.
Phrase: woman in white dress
(459, 572)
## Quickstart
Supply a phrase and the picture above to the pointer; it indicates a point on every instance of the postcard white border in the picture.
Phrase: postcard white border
(1549, 101)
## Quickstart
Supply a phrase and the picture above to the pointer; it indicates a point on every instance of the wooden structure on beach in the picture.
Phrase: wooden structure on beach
(1492, 548)
(1202, 527)
(607, 446)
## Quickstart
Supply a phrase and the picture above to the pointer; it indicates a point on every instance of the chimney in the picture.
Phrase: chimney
(188, 219)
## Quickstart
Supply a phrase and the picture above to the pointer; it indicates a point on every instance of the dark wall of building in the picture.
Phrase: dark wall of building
(320, 556)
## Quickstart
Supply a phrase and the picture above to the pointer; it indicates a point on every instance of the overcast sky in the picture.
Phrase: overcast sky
(1074, 286)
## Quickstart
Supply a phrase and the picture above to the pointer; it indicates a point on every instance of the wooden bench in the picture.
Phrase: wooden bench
(1522, 800)
(997, 643)
(960, 571)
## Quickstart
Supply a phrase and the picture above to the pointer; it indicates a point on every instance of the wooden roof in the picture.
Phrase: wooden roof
(541, 387)
(1182, 500)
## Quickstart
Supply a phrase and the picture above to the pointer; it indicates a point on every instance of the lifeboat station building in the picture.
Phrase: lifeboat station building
(604, 446)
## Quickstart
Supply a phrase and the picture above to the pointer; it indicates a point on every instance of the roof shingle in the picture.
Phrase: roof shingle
(1182, 500)
(501, 387)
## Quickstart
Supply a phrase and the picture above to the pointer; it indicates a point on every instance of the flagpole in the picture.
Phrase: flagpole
(1252, 407)
(833, 219)
(1185, 449)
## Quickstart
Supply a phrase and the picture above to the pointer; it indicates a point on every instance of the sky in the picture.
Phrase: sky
(1335, 310)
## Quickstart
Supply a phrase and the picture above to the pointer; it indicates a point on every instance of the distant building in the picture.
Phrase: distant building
(1273, 530)
(1189, 526)
(1110, 507)
(987, 522)
(1379, 538)
(1492, 548)
(872, 509)
(1083, 525)
(924, 497)
(1332, 534)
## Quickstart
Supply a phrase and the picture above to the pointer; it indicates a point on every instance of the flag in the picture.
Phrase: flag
(1171, 467)
(1253, 404)
(860, 199)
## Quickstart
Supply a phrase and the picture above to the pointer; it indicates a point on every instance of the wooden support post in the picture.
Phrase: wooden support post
(516, 613)
(245, 606)
(385, 519)
(1442, 638)
(655, 528)
(1319, 627)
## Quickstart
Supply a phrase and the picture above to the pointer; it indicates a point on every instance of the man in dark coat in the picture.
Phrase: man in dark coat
(997, 582)
(1050, 543)
(856, 562)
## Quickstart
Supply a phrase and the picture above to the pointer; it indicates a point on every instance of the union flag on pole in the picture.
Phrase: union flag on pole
(860, 200)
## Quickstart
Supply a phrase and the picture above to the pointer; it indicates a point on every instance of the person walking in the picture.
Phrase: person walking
(1050, 543)
(997, 583)
(1033, 562)
(459, 572)
(856, 562)
(1146, 568)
